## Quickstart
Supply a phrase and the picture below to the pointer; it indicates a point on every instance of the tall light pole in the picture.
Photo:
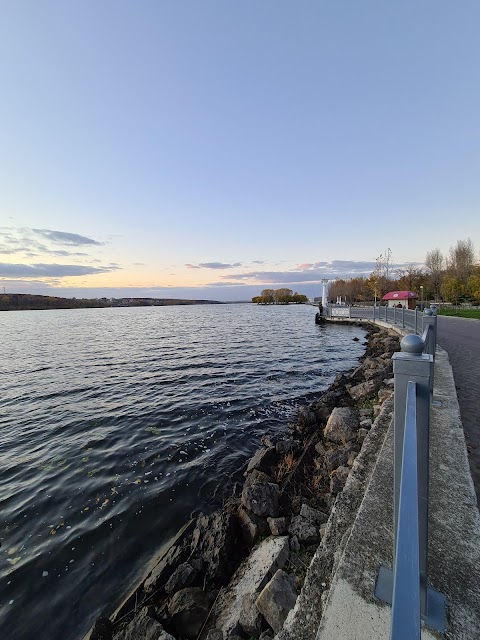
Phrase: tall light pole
(421, 297)
(324, 292)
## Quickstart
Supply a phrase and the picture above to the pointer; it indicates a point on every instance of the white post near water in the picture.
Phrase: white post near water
(324, 292)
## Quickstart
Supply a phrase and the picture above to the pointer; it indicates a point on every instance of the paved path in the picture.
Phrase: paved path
(460, 337)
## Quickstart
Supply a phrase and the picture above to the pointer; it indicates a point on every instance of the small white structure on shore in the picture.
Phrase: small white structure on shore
(405, 299)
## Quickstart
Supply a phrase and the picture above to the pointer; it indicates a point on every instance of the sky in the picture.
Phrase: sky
(213, 148)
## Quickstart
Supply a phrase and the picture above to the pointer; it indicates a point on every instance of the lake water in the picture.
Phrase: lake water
(117, 424)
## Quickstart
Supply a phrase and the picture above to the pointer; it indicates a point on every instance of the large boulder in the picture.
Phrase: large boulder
(256, 476)
(364, 390)
(338, 479)
(142, 625)
(276, 600)
(253, 527)
(324, 406)
(334, 458)
(250, 617)
(102, 629)
(263, 459)
(305, 530)
(342, 425)
(306, 420)
(188, 611)
(182, 577)
(163, 570)
(262, 499)
(278, 526)
(216, 542)
(313, 515)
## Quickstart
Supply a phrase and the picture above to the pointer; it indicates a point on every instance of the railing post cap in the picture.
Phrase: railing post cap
(413, 344)
(428, 312)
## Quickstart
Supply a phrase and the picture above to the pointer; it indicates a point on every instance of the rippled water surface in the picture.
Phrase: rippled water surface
(117, 424)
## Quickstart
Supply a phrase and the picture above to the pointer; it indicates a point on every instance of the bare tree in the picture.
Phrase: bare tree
(435, 264)
(409, 277)
(461, 260)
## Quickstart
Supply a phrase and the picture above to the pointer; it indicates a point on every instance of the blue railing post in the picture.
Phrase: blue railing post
(430, 320)
(412, 365)
(403, 317)
(406, 582)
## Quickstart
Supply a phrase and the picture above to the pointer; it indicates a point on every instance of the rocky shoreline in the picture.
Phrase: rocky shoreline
(261, 566)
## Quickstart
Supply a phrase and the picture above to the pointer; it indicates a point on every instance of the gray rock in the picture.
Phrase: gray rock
(278, 526)
(365, 413)
(306, 420)
(276, 600)
(102, 630)
(314, 515)
(165, 636)
(341, 425)
(250, 617)
(334, 458)
(215, 544)
(256, 476)
(305, 531)
(363, 390)
(252, 575)
(142, 626)
(188, 611)
(214, 634)
(361, 435)
(294, 544)
(266, 635)
(182, 577)
(338, 479)
(263, 459)
(376, 373)
(253, 527)
(167, 565)
(262, 499)
(366, 423)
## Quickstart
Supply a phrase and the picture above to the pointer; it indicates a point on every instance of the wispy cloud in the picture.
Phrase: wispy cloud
(41, 270)
(308, 272)
(214, 265)
(70, 239)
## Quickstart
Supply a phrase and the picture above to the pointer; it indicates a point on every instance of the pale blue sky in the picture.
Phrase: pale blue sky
(239, 138)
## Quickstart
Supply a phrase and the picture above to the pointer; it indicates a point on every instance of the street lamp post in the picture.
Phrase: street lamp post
(421, 297)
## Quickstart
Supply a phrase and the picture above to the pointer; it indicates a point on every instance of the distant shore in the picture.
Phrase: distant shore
(26, 302)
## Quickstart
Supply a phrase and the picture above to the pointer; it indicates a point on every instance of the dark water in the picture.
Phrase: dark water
(117, 424)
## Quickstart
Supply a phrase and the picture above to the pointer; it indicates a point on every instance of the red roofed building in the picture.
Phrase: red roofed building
(404, 299)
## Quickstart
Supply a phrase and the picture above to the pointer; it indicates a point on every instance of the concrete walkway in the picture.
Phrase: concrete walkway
(461, 339)
(351, 612)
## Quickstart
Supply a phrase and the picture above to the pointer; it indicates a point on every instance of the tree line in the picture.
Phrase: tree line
(24, 301)
(453, 278)
(279, 296)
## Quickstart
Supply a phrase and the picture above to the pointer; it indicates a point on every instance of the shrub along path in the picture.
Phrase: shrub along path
(461, 339)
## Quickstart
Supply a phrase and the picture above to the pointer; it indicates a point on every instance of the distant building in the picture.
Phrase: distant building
(405, 299)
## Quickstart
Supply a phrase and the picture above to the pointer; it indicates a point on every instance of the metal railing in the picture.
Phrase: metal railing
(406, 586)
(406, 619)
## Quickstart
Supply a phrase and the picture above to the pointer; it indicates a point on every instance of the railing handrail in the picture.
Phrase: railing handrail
(408, 318)
(406, 617)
